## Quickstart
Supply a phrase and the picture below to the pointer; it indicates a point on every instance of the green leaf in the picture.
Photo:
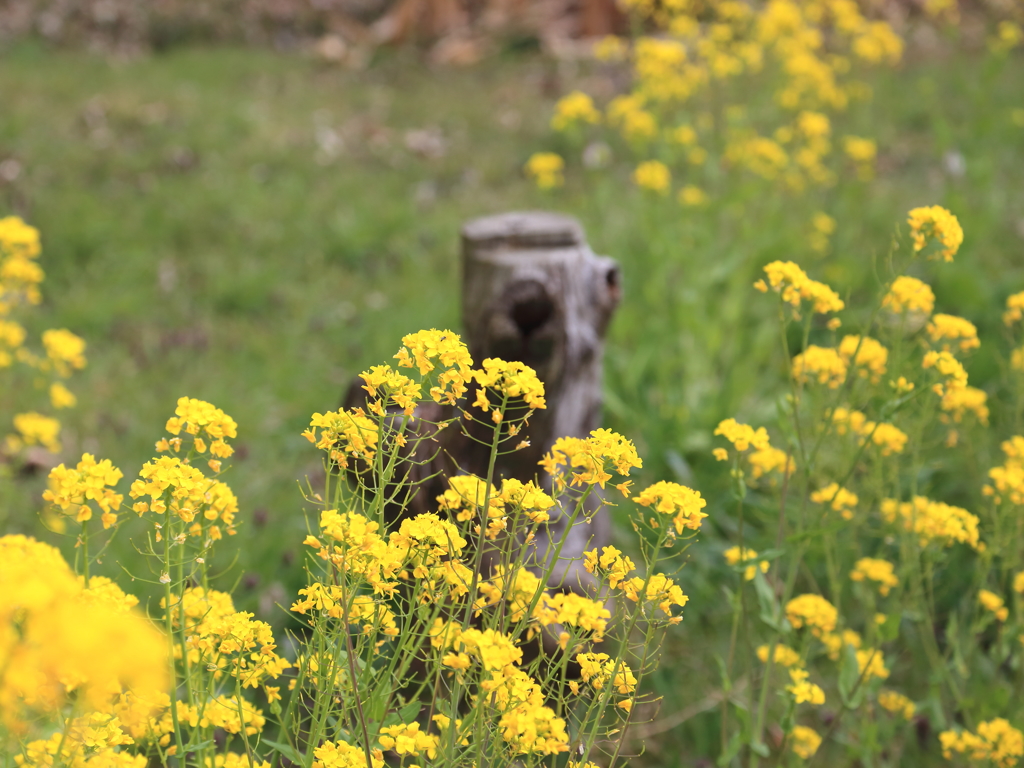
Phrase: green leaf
(760, 748)
(287, 750)
(731, 750)
(849, 675)
(770, 613)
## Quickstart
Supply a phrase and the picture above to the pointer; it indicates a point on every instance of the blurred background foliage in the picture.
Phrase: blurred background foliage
(254, 226)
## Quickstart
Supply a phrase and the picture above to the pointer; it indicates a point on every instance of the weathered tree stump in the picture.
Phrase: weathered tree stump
(534, 291)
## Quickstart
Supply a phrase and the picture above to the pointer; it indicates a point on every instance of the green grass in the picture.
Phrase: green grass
(251, 229)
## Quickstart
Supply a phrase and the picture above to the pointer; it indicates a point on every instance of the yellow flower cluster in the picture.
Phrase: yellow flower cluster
(408, 739)
(742, 436)
(804, 741)
(802, 690)
(784, 655)
(789, 280)
(735, 555)
(572, 109)
(937, 225)
(547, 169)
(996, 741)
(339, 754)
(204, 422)
(933, 521)
(72, 489)
(1014, 309)
(813, 612)
(865, 353)
(1008, 479)
(220, 637)
(951, 329)
(684, 504)
(897, 703)
(609, 564)
(838, 499)
(425, 350)
(343, 435)
(888, 437)
(993, 603)
(908, 294)
(57, 644)
(821, 364)
(34, 429)
(653, 175)
(873, 569)
(590, 458)
(871, 664)
(508, 380)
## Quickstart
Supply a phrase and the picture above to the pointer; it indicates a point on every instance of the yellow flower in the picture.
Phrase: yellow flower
(936, 224)
(949, 328)
(734, 555)
(897, 703)
(692, 196)
(953, 373)
(18, 238)
(992, 602)
(72, 489)
(802, 690)
(871, 356)
(546, 169)
(512, 379)
(959, 400)
(1014, 308)
(812, 611)
(822, 364)
(873, 569)
(610, 563)
(61, 397)
(870, 664)
(589, 458)
(838, 498)
(65, 350)
(860, 150)
(661, 591)
(804, 741)
(573, 108)
(653, 175)
(996, 741)
(339, 754)
(742, 436)
(792, 282)
(768, 460)
(683, 503)
(908, 294)
(933, 520)
(720, 454)
(408, 740)
(36, 429)
(784, 655)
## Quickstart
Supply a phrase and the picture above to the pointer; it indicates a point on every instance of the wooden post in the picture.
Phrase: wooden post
(534, 291)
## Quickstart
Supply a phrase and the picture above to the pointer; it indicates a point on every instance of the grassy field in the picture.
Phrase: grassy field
(254, 229)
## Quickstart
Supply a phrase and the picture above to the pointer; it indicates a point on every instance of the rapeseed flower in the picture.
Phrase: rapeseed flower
(734, 555)
(822, 364)
(996, 741)
(653, 175)
(993, 603)
(547, 169)
(866, 354)
(804, 741)
(813, 612)
(784, 655)
(935, 224)
(742, 436)
(802, 690)
(838, 499)
(933, 521)
(908, 294)
(1014, 309)
(684, 504)
(572, 109)
(873, 569)
(897, 703)
(950, 329)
